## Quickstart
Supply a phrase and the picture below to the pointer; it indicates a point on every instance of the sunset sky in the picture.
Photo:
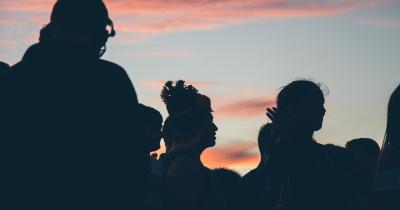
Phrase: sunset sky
(240, 52)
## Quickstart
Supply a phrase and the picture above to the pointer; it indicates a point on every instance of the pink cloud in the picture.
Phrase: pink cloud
(138, 21)
(156, 16)
(243, 109)
(8, 43)
(384, 23)
(163, 16)
(26, 5)
(246, 102)
(169, 53)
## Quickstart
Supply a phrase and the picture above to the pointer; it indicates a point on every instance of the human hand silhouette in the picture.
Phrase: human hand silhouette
(281, 122)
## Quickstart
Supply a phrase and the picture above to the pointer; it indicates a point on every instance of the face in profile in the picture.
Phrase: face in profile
(209, 131)
(153, 134)
(311, 112)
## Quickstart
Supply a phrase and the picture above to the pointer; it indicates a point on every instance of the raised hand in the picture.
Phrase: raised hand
(281, 122)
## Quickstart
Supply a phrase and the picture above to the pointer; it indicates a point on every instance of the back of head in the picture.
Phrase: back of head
(227, 175)
(149, 115)
(266, 139)
(390, 157)
(340, 158)
(151, 120)
(228, 180)
(365, 153)
(392, 136)
(368, 146)
(76, 20)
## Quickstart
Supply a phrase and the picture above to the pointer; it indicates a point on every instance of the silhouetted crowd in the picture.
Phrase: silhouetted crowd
(74, 136)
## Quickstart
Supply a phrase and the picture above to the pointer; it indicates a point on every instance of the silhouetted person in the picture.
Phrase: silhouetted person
(341, 161)
(151, 120)
(189, 184)
(387, 184)
(228, 180)
(251, 191)
(301, 175)
(3, 67)
(167, 133)
(365, 153)
(72, 138)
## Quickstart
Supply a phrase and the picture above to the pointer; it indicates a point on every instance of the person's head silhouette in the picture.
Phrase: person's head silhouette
(84, 24)
(302, 102)
(191, 115)
(392, 136)
(267, 138)
(365, 153)
(151, 120)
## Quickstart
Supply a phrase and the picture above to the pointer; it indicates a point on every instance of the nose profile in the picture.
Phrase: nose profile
(215, 127)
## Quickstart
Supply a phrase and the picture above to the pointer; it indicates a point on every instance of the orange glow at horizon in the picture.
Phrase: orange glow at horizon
(235, 156)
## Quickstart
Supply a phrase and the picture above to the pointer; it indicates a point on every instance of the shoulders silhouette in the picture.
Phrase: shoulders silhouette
(71, 119)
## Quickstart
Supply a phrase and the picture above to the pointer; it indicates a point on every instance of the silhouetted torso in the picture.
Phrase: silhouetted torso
(387, 180)
(301, 177)
(70, 137)
(210, 195)
(251, 191)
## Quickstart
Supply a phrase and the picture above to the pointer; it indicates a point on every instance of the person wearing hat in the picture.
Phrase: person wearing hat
(70, 133)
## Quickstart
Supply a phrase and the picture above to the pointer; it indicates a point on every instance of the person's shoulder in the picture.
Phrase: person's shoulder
(4, 65)
(111, 66)
(183, 163)
(113, 71)
(252, 175)
(4, 68)
(184, 160)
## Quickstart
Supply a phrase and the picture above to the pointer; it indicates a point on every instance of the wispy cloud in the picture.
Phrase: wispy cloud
(163, 53)
(242, 109)
(26, 5)
(139, 21)
(8, 43)
(381, 23)
(163, 16)
(246, 101)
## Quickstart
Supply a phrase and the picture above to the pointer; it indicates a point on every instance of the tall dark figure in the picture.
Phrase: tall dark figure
(387, 179)
(70, 135)
(365, 154)
(189, 184)
(300, 174)
(251, 192)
